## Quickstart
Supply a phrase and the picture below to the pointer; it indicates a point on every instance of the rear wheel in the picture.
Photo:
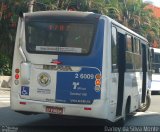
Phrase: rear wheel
(146, 105)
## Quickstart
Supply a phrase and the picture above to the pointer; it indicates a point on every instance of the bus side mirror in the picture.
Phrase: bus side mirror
(25, 73)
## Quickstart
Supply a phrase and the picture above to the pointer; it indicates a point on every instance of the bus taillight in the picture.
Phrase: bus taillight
(17, 76)
(22, 103)
(98, 76)
(17, 70)
(87, 108)
(98, 82)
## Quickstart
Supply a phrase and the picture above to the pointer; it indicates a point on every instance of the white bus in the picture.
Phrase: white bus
(155, 84)
(79, 64)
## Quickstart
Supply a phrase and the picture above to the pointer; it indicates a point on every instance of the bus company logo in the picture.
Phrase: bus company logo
(44, 79)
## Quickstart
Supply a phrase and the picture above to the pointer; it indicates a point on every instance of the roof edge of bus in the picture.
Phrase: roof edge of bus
(60, 12)
(126, 28)
(82, 14)
(157, 50)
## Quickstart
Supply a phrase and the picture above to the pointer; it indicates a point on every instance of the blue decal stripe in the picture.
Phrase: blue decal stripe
(78, 90)
(94, 59)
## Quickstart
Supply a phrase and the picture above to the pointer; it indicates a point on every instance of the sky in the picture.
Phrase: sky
(155, 2)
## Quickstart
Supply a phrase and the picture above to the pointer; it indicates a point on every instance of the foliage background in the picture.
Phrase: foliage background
(132, 13)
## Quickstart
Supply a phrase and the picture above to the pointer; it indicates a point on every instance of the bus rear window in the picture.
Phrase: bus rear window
(43, 37)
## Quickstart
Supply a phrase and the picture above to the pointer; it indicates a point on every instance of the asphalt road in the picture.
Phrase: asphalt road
(155, 103)
(15, 121)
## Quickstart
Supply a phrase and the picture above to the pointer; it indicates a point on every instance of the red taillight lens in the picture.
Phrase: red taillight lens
(22, 103)
(87, 108)
(17, 76)
(56, 62)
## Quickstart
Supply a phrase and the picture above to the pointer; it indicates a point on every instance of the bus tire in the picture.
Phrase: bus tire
(146, 105)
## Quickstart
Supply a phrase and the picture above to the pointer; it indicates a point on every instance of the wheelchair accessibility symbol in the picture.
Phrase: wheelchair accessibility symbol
(24, 90)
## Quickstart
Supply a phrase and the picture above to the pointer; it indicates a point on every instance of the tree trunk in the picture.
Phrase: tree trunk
(31, 5)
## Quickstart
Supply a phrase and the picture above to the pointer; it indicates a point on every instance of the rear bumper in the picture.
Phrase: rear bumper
(93, 111)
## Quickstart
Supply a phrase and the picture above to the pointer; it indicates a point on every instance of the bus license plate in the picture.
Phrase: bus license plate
(54, 110)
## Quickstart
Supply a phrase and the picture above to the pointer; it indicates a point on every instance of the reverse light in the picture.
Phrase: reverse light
(16, 82)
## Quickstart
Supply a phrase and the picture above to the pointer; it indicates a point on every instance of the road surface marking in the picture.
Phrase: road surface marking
(5, 99)
(145, 113)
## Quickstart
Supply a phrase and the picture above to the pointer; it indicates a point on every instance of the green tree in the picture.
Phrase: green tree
(132, 14)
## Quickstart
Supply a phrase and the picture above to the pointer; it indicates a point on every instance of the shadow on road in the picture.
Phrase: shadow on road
(69, 124)
(69, 121)
(11, 118)
(144, 119)
(42, 122)
(64, 124)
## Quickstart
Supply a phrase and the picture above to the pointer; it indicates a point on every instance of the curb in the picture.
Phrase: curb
(5, 89)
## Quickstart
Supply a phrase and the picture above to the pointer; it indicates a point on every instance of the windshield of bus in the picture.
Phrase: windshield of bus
(156, 63)
(59, 37)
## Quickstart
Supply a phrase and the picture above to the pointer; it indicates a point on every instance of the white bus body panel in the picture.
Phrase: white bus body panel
(37, 103)
(104, 108)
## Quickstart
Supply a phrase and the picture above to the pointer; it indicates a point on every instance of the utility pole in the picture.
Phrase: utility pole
(31, 5)
(126, 16)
